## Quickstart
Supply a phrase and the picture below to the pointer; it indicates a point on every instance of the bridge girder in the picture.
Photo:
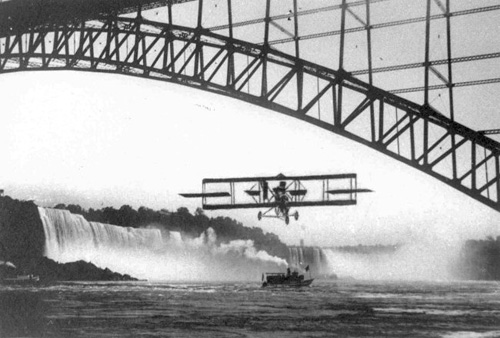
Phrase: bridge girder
(414, 134)
(20, 16)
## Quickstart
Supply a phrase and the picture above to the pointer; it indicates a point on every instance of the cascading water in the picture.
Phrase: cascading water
(70, 237)
(300, 257)
(151, 253)
(417, 261)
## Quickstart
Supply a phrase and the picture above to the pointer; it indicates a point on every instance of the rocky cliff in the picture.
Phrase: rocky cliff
(21, 231)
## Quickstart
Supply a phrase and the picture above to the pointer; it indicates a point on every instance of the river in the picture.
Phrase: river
(326, 309)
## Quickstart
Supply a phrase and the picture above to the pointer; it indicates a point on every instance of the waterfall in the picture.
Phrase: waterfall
(149, 253)
(70, 237)
(300, 257)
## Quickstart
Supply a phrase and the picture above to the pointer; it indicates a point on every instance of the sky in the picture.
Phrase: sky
(107, 140)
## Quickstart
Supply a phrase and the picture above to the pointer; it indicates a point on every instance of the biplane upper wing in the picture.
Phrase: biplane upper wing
(279, 177)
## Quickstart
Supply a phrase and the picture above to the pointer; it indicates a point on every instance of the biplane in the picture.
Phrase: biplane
(278, 194)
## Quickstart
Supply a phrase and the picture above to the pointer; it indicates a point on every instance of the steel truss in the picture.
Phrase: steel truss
(415, 134)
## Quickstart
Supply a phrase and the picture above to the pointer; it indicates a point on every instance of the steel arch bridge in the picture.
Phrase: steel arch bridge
(368, 70)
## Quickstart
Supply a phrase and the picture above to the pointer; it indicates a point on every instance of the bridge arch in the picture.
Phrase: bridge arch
(334, 100)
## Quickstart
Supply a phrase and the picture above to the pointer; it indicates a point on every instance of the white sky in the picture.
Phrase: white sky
(100, 140)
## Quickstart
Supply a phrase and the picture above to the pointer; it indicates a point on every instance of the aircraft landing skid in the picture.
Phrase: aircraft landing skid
(286, 218)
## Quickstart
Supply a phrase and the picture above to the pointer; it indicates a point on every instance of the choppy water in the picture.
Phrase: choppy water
(326, 309)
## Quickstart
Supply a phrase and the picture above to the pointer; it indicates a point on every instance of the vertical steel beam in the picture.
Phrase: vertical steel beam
(381, 120)
(319, 100)
(412, 141)
(426, 79)
(486, 173)
(300, 74)
(198, 47)
(21, 53)
(338, 117)
(172, 52)
(166, 43)
(342, 35)
(335, 106)
(24, 58)
(93, 62)
(450, 86)
(267, 20)
(2, 51)
(449, 52)
(397, 132)
(117, 40)
(66, 43)
(296, 30)
(370, 71)
(473, 166)
(81, 42)
(200, 13)
(144, 55)
(109, 37)
(201, 63)
(44, 51)
(138, 37)
(230, 60)
(427, 52)
(31, 42)
(497, 165)
(6, 51)
(139, 11)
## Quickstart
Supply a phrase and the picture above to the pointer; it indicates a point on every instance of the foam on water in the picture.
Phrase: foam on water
(437, 312)
(472, 334)
(244, 309)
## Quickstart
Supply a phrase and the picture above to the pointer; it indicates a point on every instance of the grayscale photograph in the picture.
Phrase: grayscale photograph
(263, 168)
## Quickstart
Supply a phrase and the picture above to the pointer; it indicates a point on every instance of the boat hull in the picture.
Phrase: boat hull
(21, 280)
(287, 284)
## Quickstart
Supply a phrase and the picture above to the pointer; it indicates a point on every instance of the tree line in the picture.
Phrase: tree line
(183, 221)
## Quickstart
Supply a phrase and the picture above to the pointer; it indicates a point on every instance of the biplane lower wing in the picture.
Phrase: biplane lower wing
(347, 191)
(273, 205)
(206, 194)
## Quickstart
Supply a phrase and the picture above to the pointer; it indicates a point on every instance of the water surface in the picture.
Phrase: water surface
(326, 309)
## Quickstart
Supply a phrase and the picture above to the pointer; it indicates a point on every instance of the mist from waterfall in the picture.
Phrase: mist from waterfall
(417, 261)
(149, 253)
